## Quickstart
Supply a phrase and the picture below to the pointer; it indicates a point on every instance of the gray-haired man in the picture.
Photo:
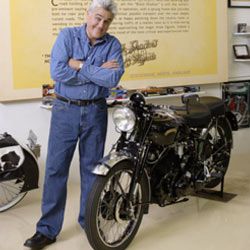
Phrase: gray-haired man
(85, 62)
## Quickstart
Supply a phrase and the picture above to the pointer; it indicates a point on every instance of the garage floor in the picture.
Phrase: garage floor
(200, 223)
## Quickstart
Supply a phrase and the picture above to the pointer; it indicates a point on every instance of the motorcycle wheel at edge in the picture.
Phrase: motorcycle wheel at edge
(108, 224)
(16, 186)
(10, 193)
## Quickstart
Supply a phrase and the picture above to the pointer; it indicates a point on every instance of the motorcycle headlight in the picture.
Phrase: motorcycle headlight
(124, 119)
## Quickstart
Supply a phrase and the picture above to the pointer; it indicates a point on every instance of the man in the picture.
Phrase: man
(85, 62)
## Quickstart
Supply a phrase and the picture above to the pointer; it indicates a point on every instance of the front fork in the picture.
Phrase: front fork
(139, 160)
(137, 175)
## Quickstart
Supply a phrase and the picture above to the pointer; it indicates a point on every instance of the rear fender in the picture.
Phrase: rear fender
(30, 170)
(232, 120)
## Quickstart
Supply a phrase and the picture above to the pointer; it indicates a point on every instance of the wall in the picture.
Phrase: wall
(238, 70)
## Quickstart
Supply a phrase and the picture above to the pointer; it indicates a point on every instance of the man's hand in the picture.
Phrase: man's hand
(75, 64)
(110, 65)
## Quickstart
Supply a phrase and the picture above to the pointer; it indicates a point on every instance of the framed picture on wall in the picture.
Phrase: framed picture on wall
(239, 3)
(241, 51)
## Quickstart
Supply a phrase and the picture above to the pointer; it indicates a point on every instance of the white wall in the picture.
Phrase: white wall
(238, 70)
(19, 117)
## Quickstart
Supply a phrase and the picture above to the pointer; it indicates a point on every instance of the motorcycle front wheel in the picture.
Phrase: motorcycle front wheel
(10, 193)
(112, 221)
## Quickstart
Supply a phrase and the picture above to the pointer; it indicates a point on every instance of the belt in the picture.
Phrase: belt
(78, 102)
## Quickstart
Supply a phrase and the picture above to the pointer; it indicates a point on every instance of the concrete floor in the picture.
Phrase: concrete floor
(194, 225)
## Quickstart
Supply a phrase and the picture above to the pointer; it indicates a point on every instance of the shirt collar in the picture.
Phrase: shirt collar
(82, 34)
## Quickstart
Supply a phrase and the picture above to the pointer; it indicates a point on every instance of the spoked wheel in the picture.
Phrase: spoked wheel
(217, 150)
(10, 193)
(111, 219)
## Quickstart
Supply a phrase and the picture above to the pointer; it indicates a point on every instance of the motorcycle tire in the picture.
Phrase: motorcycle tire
(108, 224)
(220, 140)
(10, 193)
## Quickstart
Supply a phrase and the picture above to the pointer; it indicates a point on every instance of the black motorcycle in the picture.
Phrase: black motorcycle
(19, 171)
(163, 154)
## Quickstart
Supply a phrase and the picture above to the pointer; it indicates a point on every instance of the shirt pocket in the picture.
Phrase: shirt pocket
(98, 61)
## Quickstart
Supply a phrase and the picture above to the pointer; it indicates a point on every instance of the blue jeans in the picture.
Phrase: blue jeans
(70, 124)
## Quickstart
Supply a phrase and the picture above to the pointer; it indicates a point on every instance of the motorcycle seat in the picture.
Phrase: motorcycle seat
(195, 115)
(215, 104)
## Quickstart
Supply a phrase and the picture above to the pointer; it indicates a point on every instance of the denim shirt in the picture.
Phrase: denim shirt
(92, 81)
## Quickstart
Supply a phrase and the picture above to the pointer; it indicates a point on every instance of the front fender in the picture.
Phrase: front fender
(109, 161)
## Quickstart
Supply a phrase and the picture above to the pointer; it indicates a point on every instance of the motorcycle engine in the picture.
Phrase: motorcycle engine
(169, 179)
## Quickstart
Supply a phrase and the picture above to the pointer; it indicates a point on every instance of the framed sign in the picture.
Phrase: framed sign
(239, 3)
(241, 51)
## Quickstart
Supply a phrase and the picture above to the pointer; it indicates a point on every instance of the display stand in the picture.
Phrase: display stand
(211, 192)
(217, 195)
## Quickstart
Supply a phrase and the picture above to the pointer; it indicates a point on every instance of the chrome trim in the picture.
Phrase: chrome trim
(109, 161)
(29, 151)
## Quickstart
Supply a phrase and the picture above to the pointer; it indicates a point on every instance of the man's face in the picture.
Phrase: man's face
(98, 21)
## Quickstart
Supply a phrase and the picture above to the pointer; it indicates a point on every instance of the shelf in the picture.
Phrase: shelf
(242, 34)
(109, 101)
(242, 60)
(154, 97)
(239, 78)
(173, 95)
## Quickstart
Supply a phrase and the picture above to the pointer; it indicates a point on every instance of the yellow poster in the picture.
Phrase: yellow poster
(167, 39)
(165, 42)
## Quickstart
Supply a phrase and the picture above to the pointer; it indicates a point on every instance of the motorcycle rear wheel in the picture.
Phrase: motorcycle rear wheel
(10, 193)
(108, 224)
(220, 140)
